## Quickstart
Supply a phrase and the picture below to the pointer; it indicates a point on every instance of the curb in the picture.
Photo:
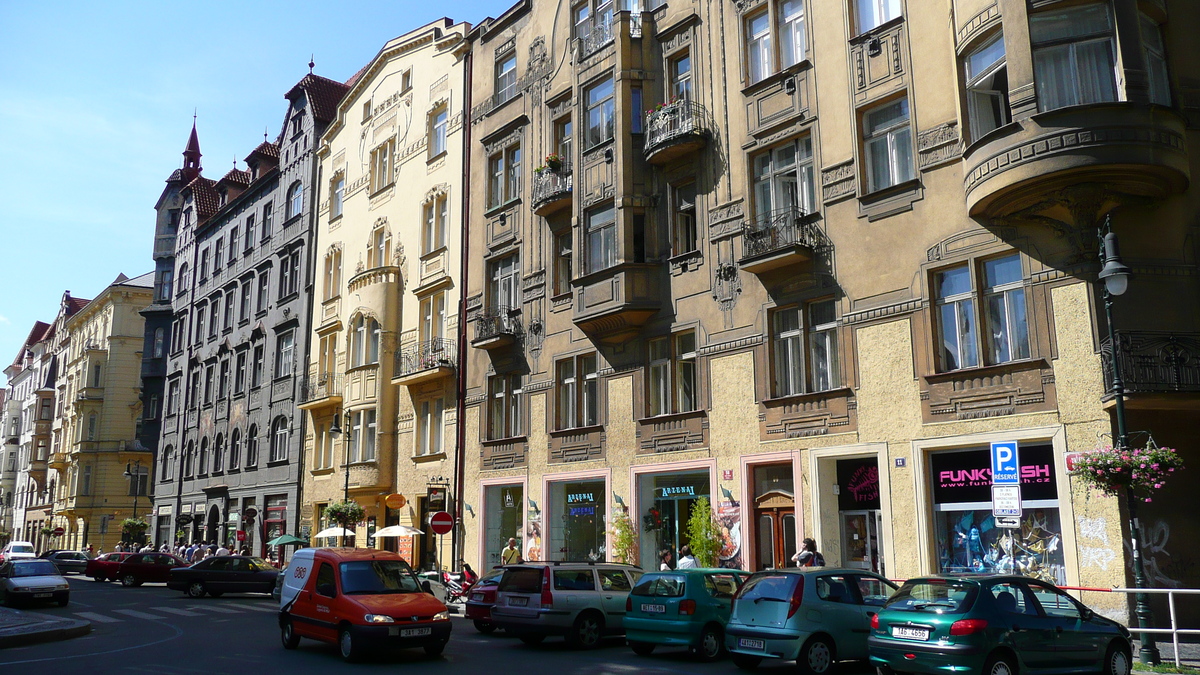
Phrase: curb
(64, 630)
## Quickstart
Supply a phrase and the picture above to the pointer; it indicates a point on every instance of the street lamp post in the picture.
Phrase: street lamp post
(1115, 277)
(336, 431)
(135, 480)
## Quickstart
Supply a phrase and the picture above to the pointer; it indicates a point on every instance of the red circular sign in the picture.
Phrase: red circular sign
(441, 522)
(58, 531)
(241, 535)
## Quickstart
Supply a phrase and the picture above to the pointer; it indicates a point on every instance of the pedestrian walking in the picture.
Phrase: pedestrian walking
(686, 559)
(809, 556)
(665, 557)
(511, 555)
(222, 551)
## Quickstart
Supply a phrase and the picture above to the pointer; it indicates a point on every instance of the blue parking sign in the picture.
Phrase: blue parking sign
(1006, 467)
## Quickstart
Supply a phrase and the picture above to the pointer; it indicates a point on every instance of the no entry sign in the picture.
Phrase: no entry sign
(441, 522)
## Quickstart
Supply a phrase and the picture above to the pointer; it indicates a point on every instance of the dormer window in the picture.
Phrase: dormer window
(298, 123)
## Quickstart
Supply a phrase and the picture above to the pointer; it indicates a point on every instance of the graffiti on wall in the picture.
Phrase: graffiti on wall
(1154, 550)
(1095, 530)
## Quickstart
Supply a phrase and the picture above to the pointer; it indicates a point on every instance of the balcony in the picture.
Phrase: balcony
(676, 130)
(781, 238)
(318, 390)
(425, 362)
(1159, 370)
(164, 245)
(497, 327)
(90, 394)
(1131, 149)
(595, 35)
(551, 189)
(41, 427)
(614, 303)
(59, 460)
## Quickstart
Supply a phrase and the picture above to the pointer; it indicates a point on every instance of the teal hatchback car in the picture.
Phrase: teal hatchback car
(682, 608)
(993, 625)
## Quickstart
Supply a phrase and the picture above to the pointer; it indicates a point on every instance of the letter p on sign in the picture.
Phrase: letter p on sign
(1006, 468)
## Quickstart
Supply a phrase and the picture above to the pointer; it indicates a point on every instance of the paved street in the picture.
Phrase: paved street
(151, 629)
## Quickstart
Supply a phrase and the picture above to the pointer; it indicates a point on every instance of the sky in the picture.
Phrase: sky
(96, 103)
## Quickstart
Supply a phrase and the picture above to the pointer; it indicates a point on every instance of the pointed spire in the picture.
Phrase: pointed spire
(311, 63)
(191, 154)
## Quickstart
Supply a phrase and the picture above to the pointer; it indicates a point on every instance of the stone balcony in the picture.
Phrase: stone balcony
(497, 327)
(425, 362)
(782, 238)
(676, 130)
(1159, 370)
(614, 303)
(1133, 150)
(319, 390)
(551, 190)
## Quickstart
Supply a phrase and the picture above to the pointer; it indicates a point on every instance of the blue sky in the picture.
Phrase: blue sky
(96, 103)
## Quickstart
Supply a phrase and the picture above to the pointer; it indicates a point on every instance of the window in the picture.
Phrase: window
(152, 407)
(873, 13)
(793, 374)
(578, 392)
(244, 305)
(289, 274)
(506, 77)
(218, 255)
(1155, 55)
(363, 436)
(887, 138)
(636, 119)
(160, 336)
(430, 427)
(987, 88)
(218, 459)
(1004, 306)
(601, 238)
(327, 357)
(1073, 60)
(233, 242)
(256, 365)
(364, 341)
(285, 348)
(504, 406)
(506, 284)
(194, 390)
(227, 319)
(188, 457)
(172, 397)
(433, 233)
(249, 242)
(324, 459)
(203, 265)
(680, 70)
(504, 176)
(279, 439)
(239, 372)
(165, 471)
(214, 315)
(210, 381)
(672, 374)
(268, 220)
(562, 263)
(183, 278)
(166, 285)
(600, 113)
(235, 450)
(381, 166)
(792, 38)
(406, 80)
(202, 464)
(784, 179)
(438, 130)
(337, 192)
(598, 19)
(956, 318)
(683, 219)
(380, 246)
(758, 46)
(295, 201)
(433, 317)
(563, 142)
(264, 289)
(138, 481)
(252, 446)
(223, 380)
(333, 274)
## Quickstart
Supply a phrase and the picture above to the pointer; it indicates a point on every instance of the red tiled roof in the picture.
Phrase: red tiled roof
(323, 94)
(176, 175)
(76, 304)
(237, 177)
(205, 196)
(265, 149)
(354, 78)
(36, 335)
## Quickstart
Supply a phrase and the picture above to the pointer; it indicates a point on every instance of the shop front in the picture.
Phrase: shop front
(969, 539)
(774, 515)
(503, 506)
(576, 521)
(164, 521)
(860, 519)
(665, 502)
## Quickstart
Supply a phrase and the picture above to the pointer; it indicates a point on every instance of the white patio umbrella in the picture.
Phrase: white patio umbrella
(398, 531)
(335, 532)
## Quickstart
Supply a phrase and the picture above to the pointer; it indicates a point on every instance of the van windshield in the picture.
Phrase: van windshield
(376, 577)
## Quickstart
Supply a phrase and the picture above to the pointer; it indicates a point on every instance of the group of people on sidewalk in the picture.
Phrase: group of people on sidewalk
(193, 553)
(808, 556)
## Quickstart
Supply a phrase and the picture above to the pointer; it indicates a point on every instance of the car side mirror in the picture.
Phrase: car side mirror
(1086, 614)
(427, 587)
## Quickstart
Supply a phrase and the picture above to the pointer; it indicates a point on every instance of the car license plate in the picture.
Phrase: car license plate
(43, 595)
(415, 632)
(518, 602)
(908, 633)
(747, 643)
(477, 597)
(654, 609)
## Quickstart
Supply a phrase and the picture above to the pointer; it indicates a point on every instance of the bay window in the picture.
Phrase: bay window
(1155, 54)
(600, 113)
(601, 233)
(987, 88)
(1073, 59)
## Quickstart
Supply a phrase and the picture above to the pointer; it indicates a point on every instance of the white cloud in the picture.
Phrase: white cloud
(4, 319)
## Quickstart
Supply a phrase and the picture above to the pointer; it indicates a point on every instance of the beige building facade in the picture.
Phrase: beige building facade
(385, 312)
(810, 259)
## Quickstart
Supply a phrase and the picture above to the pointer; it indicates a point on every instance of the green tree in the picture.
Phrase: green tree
(704, 534)
(624, 538)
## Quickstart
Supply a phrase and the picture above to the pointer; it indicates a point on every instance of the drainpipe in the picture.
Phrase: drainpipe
(460, 429)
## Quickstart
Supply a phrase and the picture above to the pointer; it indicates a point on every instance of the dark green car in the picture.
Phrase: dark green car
(994, 625)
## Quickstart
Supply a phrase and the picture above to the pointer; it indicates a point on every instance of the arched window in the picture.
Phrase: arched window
(160, 335)
(188, 456)
(235, 449)
(379, 248)
(167, 464)
(358, 338)
(182, 282)
(252, 446)
(279, 439)
(295, 200)
(218, 463)
(202, 465)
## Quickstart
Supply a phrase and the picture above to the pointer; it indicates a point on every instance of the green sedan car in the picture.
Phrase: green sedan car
(682, 608)
(994, 625)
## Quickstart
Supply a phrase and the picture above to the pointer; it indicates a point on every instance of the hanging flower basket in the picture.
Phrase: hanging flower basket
(47, 531)
(345, 513)
(1136, 471)
(134, 526)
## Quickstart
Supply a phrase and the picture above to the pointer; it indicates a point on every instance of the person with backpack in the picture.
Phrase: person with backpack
(809, 556)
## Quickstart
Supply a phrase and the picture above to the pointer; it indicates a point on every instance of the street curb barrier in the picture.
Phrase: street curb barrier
(61, 629)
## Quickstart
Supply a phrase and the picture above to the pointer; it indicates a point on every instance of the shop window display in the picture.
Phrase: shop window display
(504, 504)
(666, 502)
(578, 522)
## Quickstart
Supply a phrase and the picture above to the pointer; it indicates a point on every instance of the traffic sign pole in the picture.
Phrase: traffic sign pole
(1006, 484)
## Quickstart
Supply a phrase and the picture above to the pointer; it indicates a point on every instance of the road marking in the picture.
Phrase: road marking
(259, 608)
(219, 610)
(176, 610)
(98, 618)
(138, 615)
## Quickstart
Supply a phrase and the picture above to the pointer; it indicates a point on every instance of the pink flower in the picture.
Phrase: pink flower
(1157, 486)
(1143, 465)
(1148, 499)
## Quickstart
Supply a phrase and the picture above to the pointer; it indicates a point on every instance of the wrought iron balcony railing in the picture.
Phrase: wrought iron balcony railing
(1155, 362)
(675, 120)
(435, 353)
(781, 229)
(320, 385)
(550, 184)
(497, 322)
(595, 35)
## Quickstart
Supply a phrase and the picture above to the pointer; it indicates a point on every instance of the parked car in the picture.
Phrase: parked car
(481, 599)
(141, 568)
(359, 599)
(838, 604)
(104, 566)
(17, 549)
(32, 580)
(224, 574)
(683, 608)
(67, 561)
(995, 625)
(581, 601)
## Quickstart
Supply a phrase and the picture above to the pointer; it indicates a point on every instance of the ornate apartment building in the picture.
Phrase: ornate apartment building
(808, 259)
(381, 378)
(229, 454)
(30, 380)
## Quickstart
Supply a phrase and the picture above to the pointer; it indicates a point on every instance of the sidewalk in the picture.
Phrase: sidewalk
(19, 628)
(1189, 654)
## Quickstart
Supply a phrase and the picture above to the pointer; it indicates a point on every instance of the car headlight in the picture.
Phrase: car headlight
(378, 618)
(442, 616)
(62, 587)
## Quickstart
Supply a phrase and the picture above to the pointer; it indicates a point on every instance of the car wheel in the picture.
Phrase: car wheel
(349, 649)
(485, 627)
(435, 648)
(532, 639)
(711, 645)
(1000, 664)
(287, 635)
(196, 589)
(130, 581)
(816, 656)
(642, 648)
(746, 662)
(1117, 661)
(586, 632)
(99, 577)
